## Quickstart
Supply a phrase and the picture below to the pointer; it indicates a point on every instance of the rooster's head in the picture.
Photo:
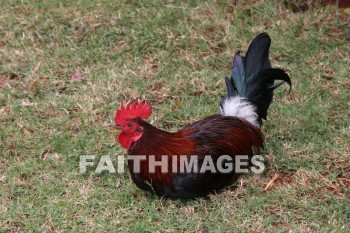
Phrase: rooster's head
(126, 119)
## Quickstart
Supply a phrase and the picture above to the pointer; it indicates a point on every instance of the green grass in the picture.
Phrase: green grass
(174, 54)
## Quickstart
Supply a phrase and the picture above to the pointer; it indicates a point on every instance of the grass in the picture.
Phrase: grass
(174, 54)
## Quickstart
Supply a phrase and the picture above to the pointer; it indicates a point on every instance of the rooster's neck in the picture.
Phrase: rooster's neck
(155, 141)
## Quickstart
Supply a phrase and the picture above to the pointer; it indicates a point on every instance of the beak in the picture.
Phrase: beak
(114, 127)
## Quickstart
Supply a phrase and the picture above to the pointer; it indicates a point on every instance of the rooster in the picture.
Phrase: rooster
(235, 131)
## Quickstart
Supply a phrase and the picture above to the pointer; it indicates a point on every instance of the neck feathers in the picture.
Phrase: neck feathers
(158, 142)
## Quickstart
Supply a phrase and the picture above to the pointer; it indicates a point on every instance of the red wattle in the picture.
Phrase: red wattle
(125, 140)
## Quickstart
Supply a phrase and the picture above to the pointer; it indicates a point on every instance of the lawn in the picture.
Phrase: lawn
(65, 67)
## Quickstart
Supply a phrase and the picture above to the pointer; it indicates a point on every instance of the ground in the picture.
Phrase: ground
(66, 66)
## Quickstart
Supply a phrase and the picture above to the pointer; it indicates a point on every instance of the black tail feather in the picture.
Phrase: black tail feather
(253, 78)
(260, 89)
(257, 57)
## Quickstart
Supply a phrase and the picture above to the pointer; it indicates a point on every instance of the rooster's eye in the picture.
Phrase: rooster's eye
(130, 125)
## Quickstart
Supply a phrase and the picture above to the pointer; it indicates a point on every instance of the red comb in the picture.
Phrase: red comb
(132, 110)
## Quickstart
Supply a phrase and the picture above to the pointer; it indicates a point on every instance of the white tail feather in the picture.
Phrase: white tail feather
(240, 107)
